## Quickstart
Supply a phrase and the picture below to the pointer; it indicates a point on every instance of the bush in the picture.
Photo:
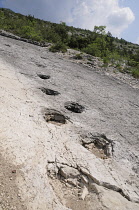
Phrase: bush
(93, 50)
(89, 59)
(106, 61)
(78, 56)
(135, 72)
(119, 67)
(132, 63)
(127, 70)
(58, 47)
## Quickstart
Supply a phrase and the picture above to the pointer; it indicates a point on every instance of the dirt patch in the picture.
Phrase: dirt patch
(42, 76)
(74, 107)
(49, 92)
(54, 116)
(10, 198)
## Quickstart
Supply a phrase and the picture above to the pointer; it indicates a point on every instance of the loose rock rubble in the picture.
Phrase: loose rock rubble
(10, 35)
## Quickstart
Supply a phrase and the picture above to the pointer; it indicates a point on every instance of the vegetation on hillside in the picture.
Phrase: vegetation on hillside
(117, 52)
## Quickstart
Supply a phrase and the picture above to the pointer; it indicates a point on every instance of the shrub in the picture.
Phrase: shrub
(132, 63)
(78, 56)
(127, 70)
(92, 49)
(105, 65)
(58, 47)
(135, 72)
(119, 67)
(89, 59)
(106, 61)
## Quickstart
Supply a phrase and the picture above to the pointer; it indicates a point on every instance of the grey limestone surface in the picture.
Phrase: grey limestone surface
(27, 140)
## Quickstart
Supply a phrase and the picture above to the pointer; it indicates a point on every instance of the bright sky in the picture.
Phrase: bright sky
(120, 16)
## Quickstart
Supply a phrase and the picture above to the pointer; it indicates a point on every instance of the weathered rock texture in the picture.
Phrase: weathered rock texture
(89, 162)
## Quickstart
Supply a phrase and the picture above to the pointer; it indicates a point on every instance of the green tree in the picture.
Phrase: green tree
(100, 30)
(61, 30)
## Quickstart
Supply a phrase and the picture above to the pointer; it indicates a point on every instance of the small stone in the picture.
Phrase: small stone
(84, 179)
(68, 172)
(72, 181)
(13, 171)
(84, 193)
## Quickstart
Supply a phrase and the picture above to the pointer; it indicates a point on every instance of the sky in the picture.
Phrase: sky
(121, 17)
